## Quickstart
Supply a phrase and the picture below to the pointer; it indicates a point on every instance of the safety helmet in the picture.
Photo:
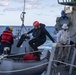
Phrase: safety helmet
(11, 28)
(7, 28)
(36, 24)
(62, 12)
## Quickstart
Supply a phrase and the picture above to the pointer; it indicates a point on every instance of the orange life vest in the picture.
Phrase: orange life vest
(7, 36)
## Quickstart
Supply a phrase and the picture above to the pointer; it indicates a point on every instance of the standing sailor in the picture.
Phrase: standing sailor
(39, 36)
(63, 38)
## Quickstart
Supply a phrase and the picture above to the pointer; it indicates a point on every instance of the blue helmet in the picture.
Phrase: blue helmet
(7, 28)
(62, 12)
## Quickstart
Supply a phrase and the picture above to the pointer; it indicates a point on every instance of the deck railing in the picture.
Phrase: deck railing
(51, 60)
(67, 2)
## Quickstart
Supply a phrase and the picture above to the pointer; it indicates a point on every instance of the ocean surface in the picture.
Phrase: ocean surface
(24, 29)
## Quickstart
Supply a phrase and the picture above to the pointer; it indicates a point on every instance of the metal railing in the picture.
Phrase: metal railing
(64, 1)
(67, 2)
(51, 60)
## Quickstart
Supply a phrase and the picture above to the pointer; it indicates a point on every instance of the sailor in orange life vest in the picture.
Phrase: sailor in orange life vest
(39, 36)
(7, 39)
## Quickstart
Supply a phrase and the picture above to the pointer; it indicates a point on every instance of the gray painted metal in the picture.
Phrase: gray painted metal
(15, 65)
(24, 48)
(10, 67)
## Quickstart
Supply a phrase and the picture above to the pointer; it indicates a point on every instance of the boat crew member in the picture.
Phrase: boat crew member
(60, 20)
(63, 38)
(39, 36)
(7, 39)
(63, 15)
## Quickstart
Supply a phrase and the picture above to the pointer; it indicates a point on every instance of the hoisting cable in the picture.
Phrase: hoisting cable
(22, 17)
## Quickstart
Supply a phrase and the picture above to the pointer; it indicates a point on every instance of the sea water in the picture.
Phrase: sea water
(25, 29)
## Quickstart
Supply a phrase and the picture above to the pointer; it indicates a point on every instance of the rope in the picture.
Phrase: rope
(65, 45)
(65, 63)
(23, 53)
(38, 66)
(24, 69)
(3, 56)
(61, 61)
(22, 16)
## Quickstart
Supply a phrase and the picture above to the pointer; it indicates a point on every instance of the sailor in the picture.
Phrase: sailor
(7, 39)
(63, 15)
(63, 38)
(61, 20)
(39, 36)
